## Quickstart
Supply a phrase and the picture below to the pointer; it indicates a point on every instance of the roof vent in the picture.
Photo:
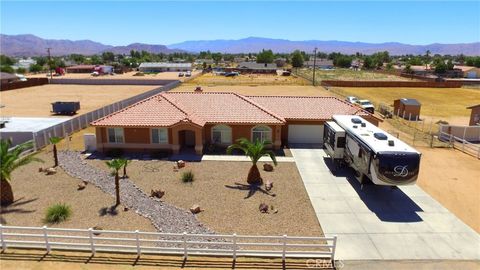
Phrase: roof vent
(355, 126)
(364, 124)
(391, 143)
(356, 120)
(380, 136)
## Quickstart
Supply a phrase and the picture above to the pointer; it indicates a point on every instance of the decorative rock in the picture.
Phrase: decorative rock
(275, 211)
(82, 186)
(50, 171)
(157, 193)
(180, 164)
(267, 167)
(263, 208)
(97, 228)
(268, 185)
(195, 209)
(125, 209)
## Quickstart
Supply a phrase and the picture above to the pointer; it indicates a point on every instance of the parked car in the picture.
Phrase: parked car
(352, 99)
(95, 74)
(366, 105)
(231, 74)
(188, 74)
(180, 74)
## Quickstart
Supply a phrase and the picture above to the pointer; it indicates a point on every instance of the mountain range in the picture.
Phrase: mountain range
(30, 45)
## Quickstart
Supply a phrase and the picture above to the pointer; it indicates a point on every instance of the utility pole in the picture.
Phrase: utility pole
(314, 64)
(49, 62)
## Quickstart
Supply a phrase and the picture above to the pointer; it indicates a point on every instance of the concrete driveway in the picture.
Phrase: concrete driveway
(378, 222)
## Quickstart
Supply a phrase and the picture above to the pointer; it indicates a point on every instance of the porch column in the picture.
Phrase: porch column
(278, 137)
(175, 142)
(198, 141)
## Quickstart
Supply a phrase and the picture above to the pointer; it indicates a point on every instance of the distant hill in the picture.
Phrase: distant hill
(256, 44)
(30, 45)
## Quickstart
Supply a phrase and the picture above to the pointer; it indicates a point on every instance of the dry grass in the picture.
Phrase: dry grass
(35, 192)
(210, 79)
(218, 189)
(36, 101)
(350, 75)
(267, 90)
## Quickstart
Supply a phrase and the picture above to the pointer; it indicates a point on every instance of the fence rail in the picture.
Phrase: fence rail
(184, 244)
(460, 143)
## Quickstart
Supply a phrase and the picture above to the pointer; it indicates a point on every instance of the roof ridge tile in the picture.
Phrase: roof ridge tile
(259, 106)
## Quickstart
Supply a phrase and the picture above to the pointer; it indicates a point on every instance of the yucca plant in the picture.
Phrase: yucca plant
(116, 165)
(10, 160)
(54, 141)
(253, 150)
(188, 177)
(57, 213)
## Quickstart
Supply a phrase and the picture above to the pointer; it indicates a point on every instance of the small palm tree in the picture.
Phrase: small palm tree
(125, 163)
(116, 165)
(54, 141)
(254, 151)
(9, 161)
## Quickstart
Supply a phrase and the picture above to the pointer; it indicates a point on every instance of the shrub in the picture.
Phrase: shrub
(58, 212)
(187, 177)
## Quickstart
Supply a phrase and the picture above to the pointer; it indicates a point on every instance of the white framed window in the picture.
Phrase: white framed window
(159, 135)
(222, 134)
(115, 135)
(262, 133)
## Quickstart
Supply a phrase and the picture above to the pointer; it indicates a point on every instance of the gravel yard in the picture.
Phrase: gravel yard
(219, 189)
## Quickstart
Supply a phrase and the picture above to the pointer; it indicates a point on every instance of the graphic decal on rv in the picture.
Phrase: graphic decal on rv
(401, 171)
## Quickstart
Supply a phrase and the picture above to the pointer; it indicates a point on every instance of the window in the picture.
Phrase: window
(262, 133)
(115, 135)
(222, 134)
(160, 135)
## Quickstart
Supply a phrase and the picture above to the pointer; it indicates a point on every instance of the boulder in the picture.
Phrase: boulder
(50, 171)
(180, 164)
(267, 167)
(82, 186)
(125, 209)
(268, 185)
(195, 209)
(263, 208)
(157, 193)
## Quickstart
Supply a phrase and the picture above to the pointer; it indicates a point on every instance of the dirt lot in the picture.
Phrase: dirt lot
(350, 75)
(124, 76)
(36, 101)
(220, 188)
(35, 192)
(267, 90)
(210, 79)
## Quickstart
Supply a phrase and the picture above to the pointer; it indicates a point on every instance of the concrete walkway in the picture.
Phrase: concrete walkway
(380, 223)
(243, 158)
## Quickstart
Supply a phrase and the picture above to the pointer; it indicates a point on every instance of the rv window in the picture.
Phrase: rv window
(341, 142)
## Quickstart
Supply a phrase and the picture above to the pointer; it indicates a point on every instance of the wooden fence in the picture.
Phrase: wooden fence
(444, 84)
(184, 244)
(22, 84)
(112, 81)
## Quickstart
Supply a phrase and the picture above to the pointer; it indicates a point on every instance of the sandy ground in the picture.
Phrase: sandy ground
(124, 76)
(268, 90)
(219, 189)
(35, 192)
(350, 75)
(36, 101)
(210, 79)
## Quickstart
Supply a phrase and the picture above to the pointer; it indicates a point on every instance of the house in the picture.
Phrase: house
(253, 67)
(24, 63)
(407, 108)
(475, 115)
(173, 121)
(81, 69)
(421, 70)
(7, 78)
(319, 63)
(469, 72)
(164, 66)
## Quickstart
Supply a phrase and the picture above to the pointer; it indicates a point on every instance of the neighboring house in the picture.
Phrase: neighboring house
(201, 61)
(81, 69)
(164, 66)
(319, 63)
(24, 63)
(475, 115)
(173, 121)
(280, 62)
(421, 70)
(253, 67)
(7, 78)
(469, 72)
(408, 108)
(356, 64)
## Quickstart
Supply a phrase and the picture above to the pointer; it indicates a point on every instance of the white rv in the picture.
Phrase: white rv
(370, 151)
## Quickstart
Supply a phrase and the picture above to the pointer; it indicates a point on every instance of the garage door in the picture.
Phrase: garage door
(305, 134)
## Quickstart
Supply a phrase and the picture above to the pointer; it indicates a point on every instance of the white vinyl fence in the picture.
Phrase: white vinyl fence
(464, 138)
(184, 244)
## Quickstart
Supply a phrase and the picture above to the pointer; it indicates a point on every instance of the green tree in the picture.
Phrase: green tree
(77, 58)
(10, 160)
(7, 69)
(297, 59)
(253, 150)
(5, 60)
(217, 57)
(108, 57)
(41, 61)
(54, 141)
(408, 69)
(450, 65)
(21, 70)
(116, 165)
(343, 61)
(368, 62)
(265, 56)
(440, 66)
(35, 68)
(125, 163)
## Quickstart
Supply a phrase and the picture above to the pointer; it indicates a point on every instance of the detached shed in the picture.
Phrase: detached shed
(475, 115)
(408, 108)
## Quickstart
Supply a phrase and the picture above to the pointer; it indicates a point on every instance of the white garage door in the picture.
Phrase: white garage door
(305, 133)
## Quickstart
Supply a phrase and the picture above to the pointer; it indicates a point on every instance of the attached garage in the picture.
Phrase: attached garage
(305, 134)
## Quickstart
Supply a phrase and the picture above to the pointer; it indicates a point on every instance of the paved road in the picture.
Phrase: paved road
(379, 222)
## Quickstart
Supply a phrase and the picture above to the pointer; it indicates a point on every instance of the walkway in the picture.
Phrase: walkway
(244, 158)
(165, 217)
(380, 223)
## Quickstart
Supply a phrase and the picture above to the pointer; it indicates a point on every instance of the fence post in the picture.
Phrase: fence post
(4, 245)
(45, 140)
(79, 123)
(185, 252)
(34, 142)
(234, 246)
(284, 250)
(463, 139)
(138, 243)
(45, 236)
(92, 244)
(333, 250)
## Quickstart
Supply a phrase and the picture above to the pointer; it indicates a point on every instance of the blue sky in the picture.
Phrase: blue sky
(121, 23)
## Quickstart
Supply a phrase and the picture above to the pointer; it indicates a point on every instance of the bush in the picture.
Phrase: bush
(58, 212)
(187, 177)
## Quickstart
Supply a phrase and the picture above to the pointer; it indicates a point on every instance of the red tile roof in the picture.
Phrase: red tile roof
(171, 108)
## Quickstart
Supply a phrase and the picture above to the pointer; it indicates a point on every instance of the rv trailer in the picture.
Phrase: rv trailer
(370, 151)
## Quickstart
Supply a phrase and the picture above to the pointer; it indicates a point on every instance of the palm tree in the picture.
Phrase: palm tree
(125, 163)
(9, 161)
(116, 165)
(54, 141)
(254, 151)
